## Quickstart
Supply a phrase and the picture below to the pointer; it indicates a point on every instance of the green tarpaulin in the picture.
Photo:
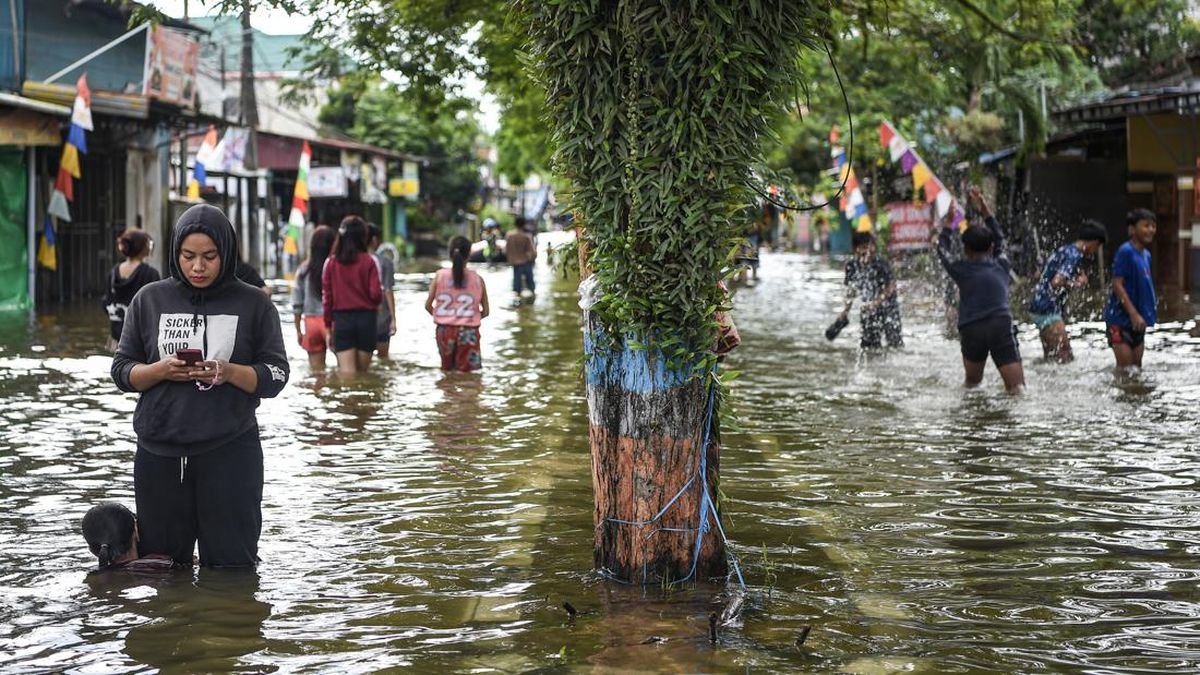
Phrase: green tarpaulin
(14, 252)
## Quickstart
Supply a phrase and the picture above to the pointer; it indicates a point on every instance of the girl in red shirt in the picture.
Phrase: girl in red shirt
(351, 294)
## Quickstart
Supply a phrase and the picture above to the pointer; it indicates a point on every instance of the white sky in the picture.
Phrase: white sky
(279, 22)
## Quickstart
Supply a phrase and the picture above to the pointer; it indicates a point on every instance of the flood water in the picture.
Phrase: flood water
(423, 522)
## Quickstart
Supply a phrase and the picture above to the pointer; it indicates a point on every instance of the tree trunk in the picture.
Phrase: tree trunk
(655, 483)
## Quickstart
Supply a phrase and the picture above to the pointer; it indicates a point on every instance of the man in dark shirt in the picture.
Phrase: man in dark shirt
(869, 277)
(985, 324)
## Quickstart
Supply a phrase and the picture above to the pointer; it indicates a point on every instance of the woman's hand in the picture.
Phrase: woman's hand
(174, 370)
(211, 372)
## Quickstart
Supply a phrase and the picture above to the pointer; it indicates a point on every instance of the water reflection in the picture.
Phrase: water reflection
(425, 521)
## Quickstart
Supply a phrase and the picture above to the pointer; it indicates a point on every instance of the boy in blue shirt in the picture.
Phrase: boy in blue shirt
(985, 324)
(1061, 274)
(1131, 306)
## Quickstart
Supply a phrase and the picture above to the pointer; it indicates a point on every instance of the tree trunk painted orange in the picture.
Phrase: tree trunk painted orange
(655, 484)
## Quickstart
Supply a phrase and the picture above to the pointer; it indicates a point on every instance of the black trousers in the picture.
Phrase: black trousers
(214, 498)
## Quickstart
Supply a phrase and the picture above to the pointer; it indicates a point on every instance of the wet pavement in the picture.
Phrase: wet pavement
(415, 520)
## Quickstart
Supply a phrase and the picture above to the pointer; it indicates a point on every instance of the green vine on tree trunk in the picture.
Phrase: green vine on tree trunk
(658, 111)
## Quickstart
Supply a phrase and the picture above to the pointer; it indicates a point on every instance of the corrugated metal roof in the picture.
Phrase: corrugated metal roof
(17, 101)
(103, 102)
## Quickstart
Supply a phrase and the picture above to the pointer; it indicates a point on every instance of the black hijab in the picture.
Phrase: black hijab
(209, 220)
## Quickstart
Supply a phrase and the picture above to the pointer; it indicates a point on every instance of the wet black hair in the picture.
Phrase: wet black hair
(374, 233)
(1092, 230)
(319, 247)
(978, 239)
(460, 250)
(1138, 215)
(859, 238)
(108, 529)
(351, 240)
(133, 243)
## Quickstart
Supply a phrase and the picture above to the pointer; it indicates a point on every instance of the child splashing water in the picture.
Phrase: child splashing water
(985, 323)
(458, 302)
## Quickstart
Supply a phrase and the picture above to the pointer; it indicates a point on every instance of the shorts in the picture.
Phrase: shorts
(459, 348)
(354, 329)
(995, 335)
(1125, 335)
(1044, 321)
(315, 339)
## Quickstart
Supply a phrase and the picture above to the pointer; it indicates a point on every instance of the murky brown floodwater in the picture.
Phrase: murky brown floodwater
(415, 521)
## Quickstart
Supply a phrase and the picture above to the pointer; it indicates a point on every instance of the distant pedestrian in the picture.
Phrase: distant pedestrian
(1132, 306)
(385, 326)
(126, 279)
(202, 349)
(869, 277)
(985, 322)
(1062, 273)
(458, 301)
(307, 299)
(520, 251)
(351, 294)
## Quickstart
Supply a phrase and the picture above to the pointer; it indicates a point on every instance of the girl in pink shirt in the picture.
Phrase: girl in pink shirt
(458, 302)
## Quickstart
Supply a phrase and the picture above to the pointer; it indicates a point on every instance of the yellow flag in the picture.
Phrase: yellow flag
(301, 191)
(70, 160)
(864, 224)
(921, 175)
(193, 190)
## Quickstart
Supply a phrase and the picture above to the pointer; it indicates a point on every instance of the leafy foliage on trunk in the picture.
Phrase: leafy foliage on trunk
(658, 111)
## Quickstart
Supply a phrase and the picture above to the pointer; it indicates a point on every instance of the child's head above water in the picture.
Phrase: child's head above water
(863, 243)
(111, 533)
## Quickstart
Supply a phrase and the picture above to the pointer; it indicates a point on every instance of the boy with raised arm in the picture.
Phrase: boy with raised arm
(985, 323)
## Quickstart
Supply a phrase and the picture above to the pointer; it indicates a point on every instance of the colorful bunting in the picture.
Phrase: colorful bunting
(921, 175)
(58, 206)
(81, 112)
(204, 156)
(68, 168)
(932, 189)
(47, 253)
(65, 185)
(910, 162)
(943, 202)
(852, 203)
(298, 216)
(958, 220)
(886, 134)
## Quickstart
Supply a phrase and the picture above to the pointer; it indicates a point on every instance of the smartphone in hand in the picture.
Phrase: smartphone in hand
(190, 356)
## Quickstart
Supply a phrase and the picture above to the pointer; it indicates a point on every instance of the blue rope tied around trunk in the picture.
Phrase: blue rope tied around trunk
(707, 507)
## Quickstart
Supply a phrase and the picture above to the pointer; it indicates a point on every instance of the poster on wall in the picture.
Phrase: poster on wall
(327, 181)
(170, 73)
(911, 225)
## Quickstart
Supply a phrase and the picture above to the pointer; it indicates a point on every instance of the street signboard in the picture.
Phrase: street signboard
(911, 226)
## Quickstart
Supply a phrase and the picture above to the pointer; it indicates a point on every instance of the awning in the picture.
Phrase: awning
(103, 102)
(24, 121)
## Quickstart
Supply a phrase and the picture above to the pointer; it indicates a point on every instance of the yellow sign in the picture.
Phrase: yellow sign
(404, 187)
(24, 127)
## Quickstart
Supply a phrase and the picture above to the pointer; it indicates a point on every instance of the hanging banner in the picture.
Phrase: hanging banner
(911, 225)
(327, 181)
(170, 70)
(25, 127)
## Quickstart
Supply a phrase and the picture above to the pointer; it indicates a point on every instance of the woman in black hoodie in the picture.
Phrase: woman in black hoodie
(127, 278)
(198, 472)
